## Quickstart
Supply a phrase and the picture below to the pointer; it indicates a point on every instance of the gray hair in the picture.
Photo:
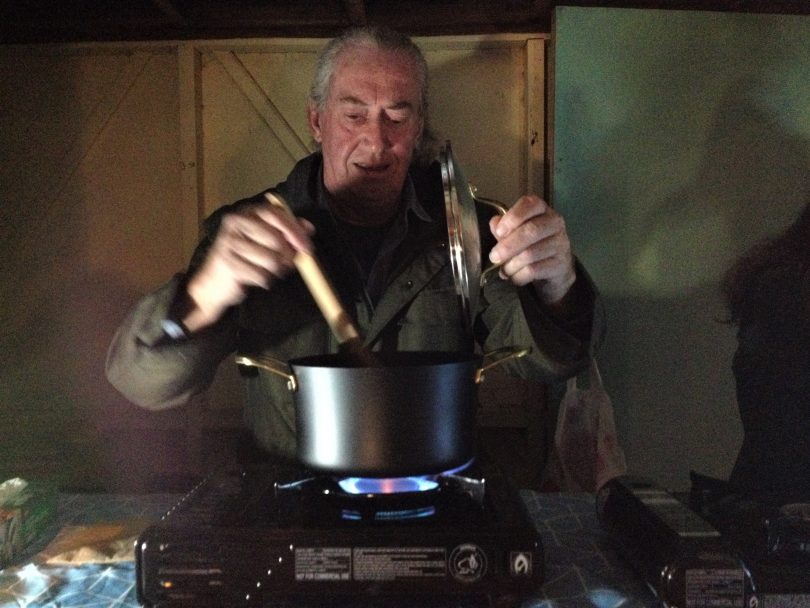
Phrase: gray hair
(385, 39)
(377, 37)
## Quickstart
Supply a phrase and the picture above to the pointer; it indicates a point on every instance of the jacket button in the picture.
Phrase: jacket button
(408, 284)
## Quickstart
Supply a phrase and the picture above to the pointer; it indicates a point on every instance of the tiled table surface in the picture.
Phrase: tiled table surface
(581, 568)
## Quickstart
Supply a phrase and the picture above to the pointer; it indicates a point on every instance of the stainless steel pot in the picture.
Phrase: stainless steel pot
(411, 414)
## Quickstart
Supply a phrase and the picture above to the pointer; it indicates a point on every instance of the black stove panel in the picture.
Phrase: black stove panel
(272, 534)
(771, 531)
(719, 548)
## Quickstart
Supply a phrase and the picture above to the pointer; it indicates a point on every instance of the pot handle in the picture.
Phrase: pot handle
(279, 368)
(499, 356)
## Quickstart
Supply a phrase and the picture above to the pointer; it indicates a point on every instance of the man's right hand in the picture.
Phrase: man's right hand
(254, 246)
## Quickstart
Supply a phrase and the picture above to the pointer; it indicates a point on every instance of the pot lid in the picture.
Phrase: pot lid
(460, 201)
(462, 230)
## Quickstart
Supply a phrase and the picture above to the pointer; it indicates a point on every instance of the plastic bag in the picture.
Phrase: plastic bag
(586, 453)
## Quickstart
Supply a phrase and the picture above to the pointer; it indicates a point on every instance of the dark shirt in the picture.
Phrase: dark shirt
(373, 249)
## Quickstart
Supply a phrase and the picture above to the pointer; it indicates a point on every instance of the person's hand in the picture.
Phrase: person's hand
(254, 246)
(533, 247)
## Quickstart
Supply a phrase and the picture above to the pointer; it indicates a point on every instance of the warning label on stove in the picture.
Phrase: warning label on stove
(393, 563)
(323, 563)
(709, 588)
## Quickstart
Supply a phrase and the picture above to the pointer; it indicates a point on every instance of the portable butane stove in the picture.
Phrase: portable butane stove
(772, 533)
(275, 534)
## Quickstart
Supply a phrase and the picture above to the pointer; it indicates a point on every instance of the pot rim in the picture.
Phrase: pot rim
(396, 359)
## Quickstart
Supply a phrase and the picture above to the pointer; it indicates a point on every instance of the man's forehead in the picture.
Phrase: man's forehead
(357, 78)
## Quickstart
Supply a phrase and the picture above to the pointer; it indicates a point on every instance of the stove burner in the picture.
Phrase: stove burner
(324, 499)
(394, 485)
(398, 499)
(370, 485)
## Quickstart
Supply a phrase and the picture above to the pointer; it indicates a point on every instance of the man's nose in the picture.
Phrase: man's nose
(375, 134)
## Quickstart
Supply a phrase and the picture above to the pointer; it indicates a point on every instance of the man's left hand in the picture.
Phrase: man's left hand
(533, 247)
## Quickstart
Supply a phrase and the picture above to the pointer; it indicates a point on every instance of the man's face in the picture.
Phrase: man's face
(368, 131)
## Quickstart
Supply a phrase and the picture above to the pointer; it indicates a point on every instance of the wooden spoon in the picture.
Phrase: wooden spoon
(324, 295)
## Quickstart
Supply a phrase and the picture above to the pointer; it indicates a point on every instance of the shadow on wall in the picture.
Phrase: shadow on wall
(750, 180)
(667, 167)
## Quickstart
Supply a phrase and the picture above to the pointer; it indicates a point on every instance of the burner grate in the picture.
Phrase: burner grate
(390, 515)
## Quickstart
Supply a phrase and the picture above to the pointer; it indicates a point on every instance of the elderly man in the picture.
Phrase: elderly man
(373, 210)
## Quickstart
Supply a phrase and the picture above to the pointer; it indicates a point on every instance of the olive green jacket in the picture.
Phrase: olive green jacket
(419, 310)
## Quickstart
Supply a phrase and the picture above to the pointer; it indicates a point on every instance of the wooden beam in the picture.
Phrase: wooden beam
(168, 8)
(356, 11)
(211, 19)
(189, 77)
(535, 116)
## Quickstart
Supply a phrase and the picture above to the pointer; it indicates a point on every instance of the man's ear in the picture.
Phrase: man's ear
(314, 119)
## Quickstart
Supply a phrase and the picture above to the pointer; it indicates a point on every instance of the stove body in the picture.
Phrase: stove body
(717, 548)
(772, 533)
(272, 534)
